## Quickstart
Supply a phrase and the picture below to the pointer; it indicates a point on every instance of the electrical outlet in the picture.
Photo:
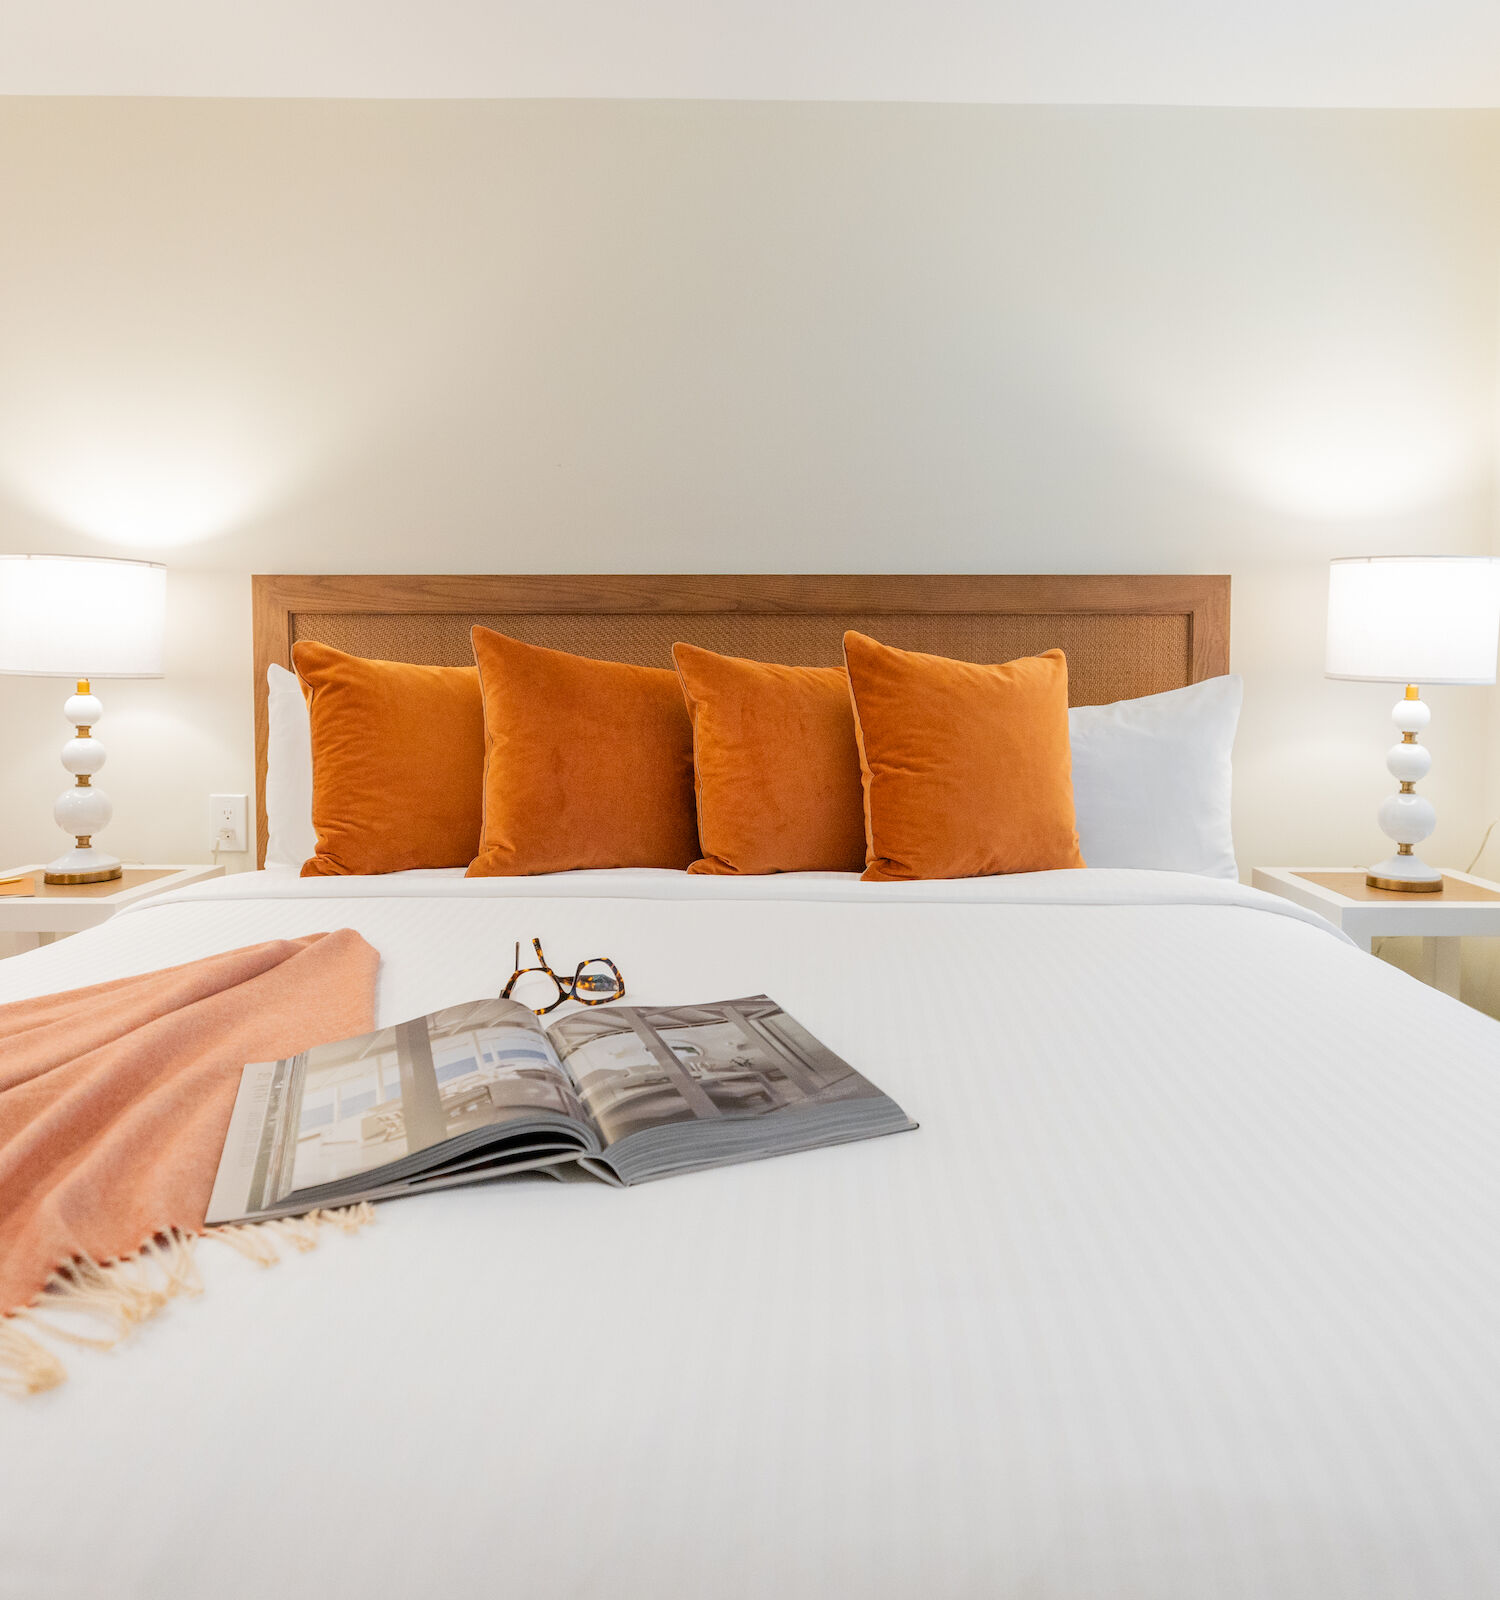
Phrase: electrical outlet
(228, 821)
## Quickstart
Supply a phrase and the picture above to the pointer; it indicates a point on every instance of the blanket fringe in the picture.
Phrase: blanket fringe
(27, 1366)
(125, 1293)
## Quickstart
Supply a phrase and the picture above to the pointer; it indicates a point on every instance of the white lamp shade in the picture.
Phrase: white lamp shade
(81, 617)
(1414, 619)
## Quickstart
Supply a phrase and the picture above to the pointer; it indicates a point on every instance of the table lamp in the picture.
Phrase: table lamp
(82, 617)
(1412, 619)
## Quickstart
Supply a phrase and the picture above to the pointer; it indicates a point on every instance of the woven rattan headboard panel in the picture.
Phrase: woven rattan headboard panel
(1124, 635)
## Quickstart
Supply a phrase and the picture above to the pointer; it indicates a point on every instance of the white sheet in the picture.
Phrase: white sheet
(1185, 1288)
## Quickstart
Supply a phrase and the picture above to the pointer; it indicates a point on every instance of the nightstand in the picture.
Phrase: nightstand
(51, 909)
(1467, 907)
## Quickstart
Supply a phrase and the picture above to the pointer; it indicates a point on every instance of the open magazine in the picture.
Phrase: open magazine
(477, 1091)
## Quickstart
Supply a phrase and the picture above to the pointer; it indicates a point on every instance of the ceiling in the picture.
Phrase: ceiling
(1161, 52)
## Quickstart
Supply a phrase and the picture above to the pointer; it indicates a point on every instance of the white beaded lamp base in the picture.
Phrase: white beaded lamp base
(83, 810)
(1406, 817)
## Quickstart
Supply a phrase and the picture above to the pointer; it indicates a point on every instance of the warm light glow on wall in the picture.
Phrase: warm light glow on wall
(1320, 423)
(119, 495)
(1340, 473)
(1327, 446)
(143, 474)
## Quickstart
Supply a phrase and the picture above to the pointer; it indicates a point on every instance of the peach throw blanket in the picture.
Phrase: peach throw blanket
(114, 1100)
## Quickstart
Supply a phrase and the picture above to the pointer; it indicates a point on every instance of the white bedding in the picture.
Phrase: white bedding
(1185, 1288)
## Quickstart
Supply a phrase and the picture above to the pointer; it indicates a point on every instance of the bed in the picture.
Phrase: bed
(1185, 1288)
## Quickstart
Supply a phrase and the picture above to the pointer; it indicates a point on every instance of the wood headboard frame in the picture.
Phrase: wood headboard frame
(983, 617)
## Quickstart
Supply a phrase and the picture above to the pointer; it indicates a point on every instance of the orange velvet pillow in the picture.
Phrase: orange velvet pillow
(398, 762)
(589, 763)
(967, 769)
(776, 765)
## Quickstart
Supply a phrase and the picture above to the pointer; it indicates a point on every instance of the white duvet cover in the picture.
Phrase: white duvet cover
(1186, 1287)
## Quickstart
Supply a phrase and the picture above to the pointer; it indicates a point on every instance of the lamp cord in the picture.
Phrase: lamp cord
(1482, 843)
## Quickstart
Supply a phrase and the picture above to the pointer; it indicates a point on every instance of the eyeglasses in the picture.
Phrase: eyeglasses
(595, 982)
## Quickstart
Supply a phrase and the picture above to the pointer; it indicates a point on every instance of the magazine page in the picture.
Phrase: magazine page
(694, 1085)
(416, 1098)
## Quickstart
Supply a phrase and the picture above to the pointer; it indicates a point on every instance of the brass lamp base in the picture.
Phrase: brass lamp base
(103, 875)
(1403, 885)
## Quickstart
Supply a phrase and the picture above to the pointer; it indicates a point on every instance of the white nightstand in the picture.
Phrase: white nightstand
(69, 908)
(1467, 907)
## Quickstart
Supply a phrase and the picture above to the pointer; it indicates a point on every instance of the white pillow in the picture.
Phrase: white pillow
(1152, 780)
(290, 838)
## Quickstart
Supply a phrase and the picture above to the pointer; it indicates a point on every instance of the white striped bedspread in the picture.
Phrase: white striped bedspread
(1186, 1289)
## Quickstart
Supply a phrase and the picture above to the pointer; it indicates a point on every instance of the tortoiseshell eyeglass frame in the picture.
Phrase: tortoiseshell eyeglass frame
(569, 989)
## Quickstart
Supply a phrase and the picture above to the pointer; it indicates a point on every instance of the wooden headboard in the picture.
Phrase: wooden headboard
(1124, 635)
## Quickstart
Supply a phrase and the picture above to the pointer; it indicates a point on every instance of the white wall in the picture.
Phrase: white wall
(363, 336)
